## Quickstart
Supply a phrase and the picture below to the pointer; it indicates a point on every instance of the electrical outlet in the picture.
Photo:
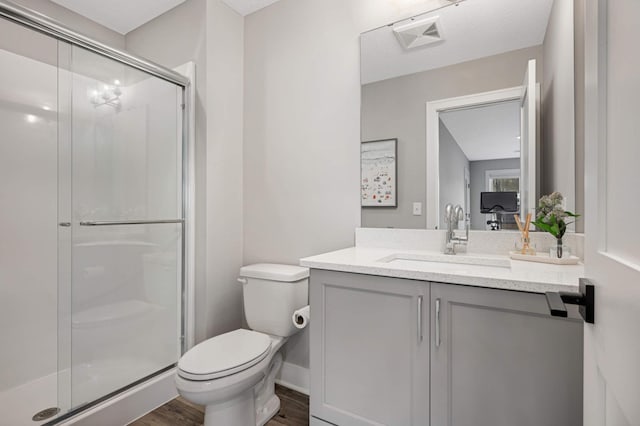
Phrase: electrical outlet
(417, 209)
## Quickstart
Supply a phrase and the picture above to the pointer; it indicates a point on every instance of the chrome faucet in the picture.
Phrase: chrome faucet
(452, 216)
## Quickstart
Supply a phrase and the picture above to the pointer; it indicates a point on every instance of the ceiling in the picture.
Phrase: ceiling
(472, 29)
(120, 15)
(489, 132)
(124, 16)
(246, 7)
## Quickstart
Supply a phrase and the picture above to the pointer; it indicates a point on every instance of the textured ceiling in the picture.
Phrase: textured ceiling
(246, 7)
(124, 16)
(488, 132)
(120, 15)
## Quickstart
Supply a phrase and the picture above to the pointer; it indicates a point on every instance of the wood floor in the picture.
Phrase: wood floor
(294, 411)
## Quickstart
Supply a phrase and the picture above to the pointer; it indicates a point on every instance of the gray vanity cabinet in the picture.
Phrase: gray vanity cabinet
(501, 360)
(369, 363)
(486, 357)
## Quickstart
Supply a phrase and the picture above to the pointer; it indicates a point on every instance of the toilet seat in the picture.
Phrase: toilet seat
(224, 355)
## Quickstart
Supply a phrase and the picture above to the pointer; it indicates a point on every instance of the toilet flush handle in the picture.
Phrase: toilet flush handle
(242, 281)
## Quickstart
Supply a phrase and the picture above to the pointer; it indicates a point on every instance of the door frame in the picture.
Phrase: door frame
(434, 108)
(188, 205)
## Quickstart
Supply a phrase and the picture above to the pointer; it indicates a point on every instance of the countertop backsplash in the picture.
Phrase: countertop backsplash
(486, 242)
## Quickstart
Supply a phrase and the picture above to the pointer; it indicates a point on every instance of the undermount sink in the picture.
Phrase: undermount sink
(443, 261)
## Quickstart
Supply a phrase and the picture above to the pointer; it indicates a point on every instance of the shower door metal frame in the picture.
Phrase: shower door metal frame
(46, 25)
(43, 24)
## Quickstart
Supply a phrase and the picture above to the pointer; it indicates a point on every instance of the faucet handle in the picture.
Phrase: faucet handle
(448, 210)
(458, 213)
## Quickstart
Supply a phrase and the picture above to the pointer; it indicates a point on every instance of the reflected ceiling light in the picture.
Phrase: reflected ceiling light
(30, 118)
(46, 108)
(116, 82)
(109, 95)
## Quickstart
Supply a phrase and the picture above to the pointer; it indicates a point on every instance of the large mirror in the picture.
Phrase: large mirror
(478, 96)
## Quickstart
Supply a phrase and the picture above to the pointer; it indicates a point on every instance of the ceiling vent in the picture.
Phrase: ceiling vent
(419, 32)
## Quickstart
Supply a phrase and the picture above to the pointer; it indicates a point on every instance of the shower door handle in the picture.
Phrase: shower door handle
(129, 222)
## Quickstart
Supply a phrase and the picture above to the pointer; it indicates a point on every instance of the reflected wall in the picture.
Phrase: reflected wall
(396, 108)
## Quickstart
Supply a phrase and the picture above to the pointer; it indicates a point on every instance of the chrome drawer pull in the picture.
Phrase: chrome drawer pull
(420, 318)
(437, 323)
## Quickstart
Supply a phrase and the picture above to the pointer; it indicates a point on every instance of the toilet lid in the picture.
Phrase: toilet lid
(224, 355)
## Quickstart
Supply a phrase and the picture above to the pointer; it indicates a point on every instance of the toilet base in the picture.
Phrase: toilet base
(237, 411)
(269, 410)
(246, 398)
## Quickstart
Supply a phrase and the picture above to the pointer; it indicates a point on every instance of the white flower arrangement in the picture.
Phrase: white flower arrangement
(551, 216)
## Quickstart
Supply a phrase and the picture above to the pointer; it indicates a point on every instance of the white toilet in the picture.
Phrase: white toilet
(233, 374)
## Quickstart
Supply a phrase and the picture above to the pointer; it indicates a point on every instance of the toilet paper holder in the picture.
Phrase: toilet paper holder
(301, 317)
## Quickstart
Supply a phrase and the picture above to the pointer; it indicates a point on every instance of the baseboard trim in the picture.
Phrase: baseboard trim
(294, 377)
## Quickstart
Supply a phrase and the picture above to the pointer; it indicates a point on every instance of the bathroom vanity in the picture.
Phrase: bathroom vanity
(411, 337)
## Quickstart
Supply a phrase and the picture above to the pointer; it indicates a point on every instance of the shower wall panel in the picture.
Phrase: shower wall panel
(28, 202)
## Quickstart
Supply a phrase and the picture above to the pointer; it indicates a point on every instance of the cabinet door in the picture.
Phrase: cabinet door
(369, 365)
(501, 360)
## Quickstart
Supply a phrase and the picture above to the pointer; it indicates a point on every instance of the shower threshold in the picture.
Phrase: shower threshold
(30, 398)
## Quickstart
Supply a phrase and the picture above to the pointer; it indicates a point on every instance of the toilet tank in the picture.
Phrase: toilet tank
(271, 294)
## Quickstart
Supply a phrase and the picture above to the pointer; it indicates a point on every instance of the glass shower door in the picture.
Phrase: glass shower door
(124, 203)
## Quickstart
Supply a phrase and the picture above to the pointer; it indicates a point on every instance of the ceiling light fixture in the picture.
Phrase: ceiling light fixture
(419, 32)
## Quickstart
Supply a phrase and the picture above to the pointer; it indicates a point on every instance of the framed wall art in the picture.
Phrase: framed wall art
(378, 173)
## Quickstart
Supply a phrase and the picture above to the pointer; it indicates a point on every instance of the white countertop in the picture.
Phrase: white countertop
(514, 275)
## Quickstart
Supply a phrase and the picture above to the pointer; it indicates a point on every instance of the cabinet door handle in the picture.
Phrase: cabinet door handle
(420, 318)
(437, 323)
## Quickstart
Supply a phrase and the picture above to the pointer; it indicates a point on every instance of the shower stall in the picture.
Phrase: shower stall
(93, 202)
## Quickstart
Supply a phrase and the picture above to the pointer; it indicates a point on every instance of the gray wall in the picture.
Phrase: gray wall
(301, 151)
(210, 34)
(558, 113)
(478, 169)
(225, 210)
(302, 129)
(396, 108)
(451, 177)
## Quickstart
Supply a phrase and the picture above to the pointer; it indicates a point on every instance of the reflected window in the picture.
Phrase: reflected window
(503, 180)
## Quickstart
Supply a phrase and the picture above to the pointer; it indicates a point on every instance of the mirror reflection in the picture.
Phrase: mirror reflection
(479, 157)
(479, 96)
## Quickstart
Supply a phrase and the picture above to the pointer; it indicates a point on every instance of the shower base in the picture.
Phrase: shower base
(21, 403)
